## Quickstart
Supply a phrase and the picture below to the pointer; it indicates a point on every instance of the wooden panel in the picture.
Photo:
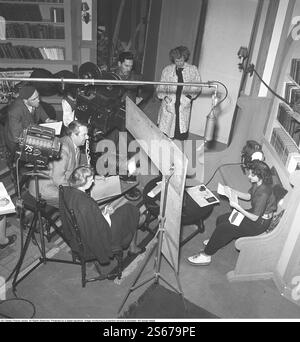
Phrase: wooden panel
(163, 153)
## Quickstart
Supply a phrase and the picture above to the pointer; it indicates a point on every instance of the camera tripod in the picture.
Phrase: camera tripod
(37, 220)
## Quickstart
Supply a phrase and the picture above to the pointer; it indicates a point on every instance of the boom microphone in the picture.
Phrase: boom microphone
(210, 127)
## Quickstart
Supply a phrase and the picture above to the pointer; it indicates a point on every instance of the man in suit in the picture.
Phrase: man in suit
(60, 170)
(25, 110)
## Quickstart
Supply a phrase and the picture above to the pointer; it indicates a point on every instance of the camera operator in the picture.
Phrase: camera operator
(60, 170)
(25, 110)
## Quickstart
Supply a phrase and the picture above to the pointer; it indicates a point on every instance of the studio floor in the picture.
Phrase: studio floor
(56, 293)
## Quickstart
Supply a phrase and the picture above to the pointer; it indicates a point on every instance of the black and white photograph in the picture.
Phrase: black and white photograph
(149, 163)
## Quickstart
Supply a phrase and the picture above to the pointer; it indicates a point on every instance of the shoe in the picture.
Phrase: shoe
(205, 242)
(199, 259)
(11, 240)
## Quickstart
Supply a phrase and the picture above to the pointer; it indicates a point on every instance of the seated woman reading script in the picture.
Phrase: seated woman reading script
(103, 233)
(255, 221)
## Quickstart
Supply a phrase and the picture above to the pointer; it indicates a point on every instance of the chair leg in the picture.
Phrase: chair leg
(74, 257)
(200, 226)
(119, 258)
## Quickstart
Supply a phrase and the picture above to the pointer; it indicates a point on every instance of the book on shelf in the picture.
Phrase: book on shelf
(289, 88)
(287, 121)
(284, 115)
(57, 14)
(295, 97)
(34, 31)
(283, 144)
(288, 85)
(296, 133)
(20, 12)
(295, 69)
(7, 50)
(46, 1)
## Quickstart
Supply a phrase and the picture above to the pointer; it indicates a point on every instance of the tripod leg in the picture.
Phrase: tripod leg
(167, 239)
(23, 253)
(42, 238)
(133, 287)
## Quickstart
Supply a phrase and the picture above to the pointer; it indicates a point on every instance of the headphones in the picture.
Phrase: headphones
(258, 156)
(251, 151)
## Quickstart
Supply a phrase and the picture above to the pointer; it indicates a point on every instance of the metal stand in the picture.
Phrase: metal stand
(37, 219)
(157, 246)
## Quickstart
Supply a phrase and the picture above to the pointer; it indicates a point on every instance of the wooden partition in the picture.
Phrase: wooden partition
(163, 153)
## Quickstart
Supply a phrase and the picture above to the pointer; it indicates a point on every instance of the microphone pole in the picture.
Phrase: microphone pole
(211, 120)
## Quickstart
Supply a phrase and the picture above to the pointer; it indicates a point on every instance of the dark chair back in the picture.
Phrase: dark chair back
(70, 227)
(72, 236)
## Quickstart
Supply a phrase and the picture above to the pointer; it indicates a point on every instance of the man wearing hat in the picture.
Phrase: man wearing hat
(25, 110)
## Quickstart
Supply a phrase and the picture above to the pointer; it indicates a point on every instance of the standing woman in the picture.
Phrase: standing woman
(175, 110)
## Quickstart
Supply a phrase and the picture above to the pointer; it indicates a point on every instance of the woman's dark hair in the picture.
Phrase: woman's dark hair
(178, 52)
(80, 176)
(262, 171)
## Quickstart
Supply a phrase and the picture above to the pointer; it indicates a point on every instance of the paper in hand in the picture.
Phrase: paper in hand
(228, 192)
(106, 187)
(236, 217)
(55, 125)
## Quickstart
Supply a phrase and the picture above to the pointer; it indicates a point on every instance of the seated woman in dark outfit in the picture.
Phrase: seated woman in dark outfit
(256, 220)
(103, 234)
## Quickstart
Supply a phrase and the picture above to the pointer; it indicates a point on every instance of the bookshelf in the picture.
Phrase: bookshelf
(46, 34)
(283, 128)
(40, 33)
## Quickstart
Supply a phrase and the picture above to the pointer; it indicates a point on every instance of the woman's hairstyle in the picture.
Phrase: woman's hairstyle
(178, 52)
(80, 175)
(262, 171)
(74, 127)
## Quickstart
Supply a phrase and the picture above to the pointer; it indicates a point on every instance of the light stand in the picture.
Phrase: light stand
(157, 245)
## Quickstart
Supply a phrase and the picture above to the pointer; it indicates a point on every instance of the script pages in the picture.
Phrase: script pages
(106, 187)
(236, 217)
(6, 204)
(55, 125)
(202, 195)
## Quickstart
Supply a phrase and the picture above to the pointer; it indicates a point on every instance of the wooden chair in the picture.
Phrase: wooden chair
(80, 255)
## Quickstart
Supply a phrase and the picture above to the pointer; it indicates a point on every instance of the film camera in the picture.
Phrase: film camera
(38, 144)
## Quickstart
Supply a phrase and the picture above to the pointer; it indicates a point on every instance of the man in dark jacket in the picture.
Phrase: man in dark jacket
(25, 110)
